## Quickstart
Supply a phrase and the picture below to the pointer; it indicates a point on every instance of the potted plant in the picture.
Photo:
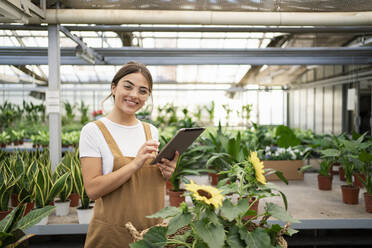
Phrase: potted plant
(71, 160)
(4, 139)
(325, 176)
(214, 221)
(63, 203)
(186, 165)
(366, 158)
(46, 188)
(13, 226)
(85, 211)
(7, 182)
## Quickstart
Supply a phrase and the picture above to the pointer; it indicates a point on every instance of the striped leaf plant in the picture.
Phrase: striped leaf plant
(78, 181)
(12, 227)
(46, 188)
(7, 182)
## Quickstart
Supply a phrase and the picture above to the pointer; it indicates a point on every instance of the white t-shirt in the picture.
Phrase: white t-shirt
(128, 138)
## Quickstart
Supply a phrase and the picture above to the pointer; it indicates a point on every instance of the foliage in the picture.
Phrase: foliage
(84, 118)
(286, 137)
(62, 169)
(7, 182)
(325, 167)
(278, 153)
(46, 188)
(217, 220)
(69, 113)
(13, 225)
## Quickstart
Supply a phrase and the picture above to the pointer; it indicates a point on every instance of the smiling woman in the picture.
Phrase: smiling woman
(115, 153)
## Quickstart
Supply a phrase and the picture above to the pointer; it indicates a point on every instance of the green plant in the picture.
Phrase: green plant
(325, 167)
(83, 113)
(46, 188)
(12, 227)
(286, 137)
(4, 138)
(66, 190)
(246, 112)
(211, 111)
(7, 182)
(228, 111)
(365, 158)
(216, 222)
(70, 115)
(77, 178)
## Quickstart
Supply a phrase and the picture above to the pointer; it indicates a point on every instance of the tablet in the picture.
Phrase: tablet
(180, 142)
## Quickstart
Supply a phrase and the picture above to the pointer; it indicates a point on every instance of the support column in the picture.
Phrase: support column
(53, 96)
(357, 119)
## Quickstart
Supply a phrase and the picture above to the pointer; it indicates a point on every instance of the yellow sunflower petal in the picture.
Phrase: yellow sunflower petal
(258, 167)
(207, 194)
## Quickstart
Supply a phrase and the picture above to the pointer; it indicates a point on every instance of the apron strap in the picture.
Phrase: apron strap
(146, 126)
(116, 152)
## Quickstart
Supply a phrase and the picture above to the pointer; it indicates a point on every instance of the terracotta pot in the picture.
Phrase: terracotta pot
(334, 171)
(357, 182)
(14, 200)
(176, 198)
(341, 172)
(74, 197)
(368, 202)
(168, 186)
(350, 194)
(324, 182)
(213, 177)
(3, 214)
(29, 207)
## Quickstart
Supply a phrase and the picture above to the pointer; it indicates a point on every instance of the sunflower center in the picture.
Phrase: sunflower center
(204, 193)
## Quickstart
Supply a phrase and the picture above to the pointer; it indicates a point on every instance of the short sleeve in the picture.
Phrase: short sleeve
(154, 132)
(89, 140)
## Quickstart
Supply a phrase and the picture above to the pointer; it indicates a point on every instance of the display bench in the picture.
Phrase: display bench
(314, 208)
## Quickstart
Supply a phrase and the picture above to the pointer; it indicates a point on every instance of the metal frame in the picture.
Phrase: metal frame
(239, 29)
(159, 56)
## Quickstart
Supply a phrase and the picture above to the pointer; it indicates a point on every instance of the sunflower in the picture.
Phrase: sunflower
(258, 167)
(207, 194)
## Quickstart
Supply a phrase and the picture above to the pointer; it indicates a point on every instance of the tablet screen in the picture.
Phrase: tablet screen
(180, 142)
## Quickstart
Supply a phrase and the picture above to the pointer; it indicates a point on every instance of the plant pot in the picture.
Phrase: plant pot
(350, 194)
(14, 200)
(168, 186)
(29, 207)
(341, 172)
(44, 221)
(175, 197)
(3, 214)
(62, 208)
(335, 171)
(324, 182)
(84, 215)
(74, 197)
(368, 202)
(213, 178)
(357, 182)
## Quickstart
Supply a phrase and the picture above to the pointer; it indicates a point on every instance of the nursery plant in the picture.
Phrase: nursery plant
(46, 188)
(217, 220)
(12, 227)
(7, 182)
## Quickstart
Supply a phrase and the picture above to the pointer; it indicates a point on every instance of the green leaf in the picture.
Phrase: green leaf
(165, 213)
(233, 238)
(279, 213)
(212, 235)
(57, 187)
(34, 217)
(256, 239)
(7, 224)
(364, 156)
(291, 231)
(154, 238)
(231, 211)
(179, 221)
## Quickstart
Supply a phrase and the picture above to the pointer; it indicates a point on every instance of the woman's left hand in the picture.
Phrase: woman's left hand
(167, 167)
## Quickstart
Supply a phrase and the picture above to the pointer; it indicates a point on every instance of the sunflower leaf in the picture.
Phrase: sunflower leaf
(231, 211)
(179, 221)
(165, 213)
(212, 235)
(279, 213)
(256, 239)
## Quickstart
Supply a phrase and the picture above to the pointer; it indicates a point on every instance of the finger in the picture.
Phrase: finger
(176, 156)
(149, 149)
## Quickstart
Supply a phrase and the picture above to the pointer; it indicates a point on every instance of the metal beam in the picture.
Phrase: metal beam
(230, 29)
(83, 51)
(160, 56)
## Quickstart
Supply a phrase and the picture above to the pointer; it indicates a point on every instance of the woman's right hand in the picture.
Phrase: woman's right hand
(148, 150)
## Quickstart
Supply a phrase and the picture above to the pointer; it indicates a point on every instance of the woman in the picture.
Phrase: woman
(115, 153)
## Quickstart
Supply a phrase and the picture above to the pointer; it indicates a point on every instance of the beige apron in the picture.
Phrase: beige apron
(140, 196)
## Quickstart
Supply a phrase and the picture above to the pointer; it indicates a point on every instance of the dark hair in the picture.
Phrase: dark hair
(132, 67)
(129, 68)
